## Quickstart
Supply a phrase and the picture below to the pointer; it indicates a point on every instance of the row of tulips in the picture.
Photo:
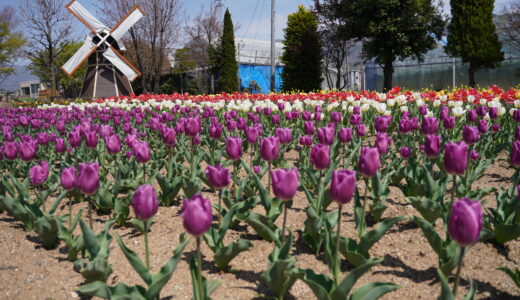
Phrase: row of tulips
(149, 153)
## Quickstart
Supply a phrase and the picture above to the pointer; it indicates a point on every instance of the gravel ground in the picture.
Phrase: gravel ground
(27, 271)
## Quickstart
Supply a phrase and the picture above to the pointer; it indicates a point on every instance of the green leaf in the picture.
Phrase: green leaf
(263, 226)
(350, 250)
(431, 235)
(96, 289)
(371, 237)
(348, 282)
(90, 239)
(320, 284)
(446, 293)
(373, 291)
(428, 208)
(507, 232)
(515, 275)
(472, 290)
(136, 263)
(224, 255)
(47, 228)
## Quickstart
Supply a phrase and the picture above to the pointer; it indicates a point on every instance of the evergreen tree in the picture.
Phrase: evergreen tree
(472, 36)
(391, 30)
(228, 80)
(302, 53)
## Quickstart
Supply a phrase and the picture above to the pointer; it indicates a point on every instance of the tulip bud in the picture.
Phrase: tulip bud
(113, 143)
(68, 178)
(142, 152)
(482, 126)
(234, 147)
(196, 215)
(432, 145)
(60, 146)
(472, 116)
(320, 156)
(91, 139)
(269, 148)
(455, 158)
(284, 135)
(88, 178)
(192, 126)
(429, 125)
(515, 154)
(465, 221)
(215, 131)
(285, 183)
(369, 161)
(309, 127)
(38, 174)
(169, 137)
(473, 154)
(405, 152)
(256, 169)
(326, 135)
(28, 150)
(252, 134)
(218, 177)
(144, 202)
(382, 143)
(343, 185)
(470, 135)
(361, 130)
(10, 150)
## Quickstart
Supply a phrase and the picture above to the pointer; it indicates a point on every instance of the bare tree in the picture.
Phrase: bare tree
(335, 47)
(204, 35)
(48, 29)
(151, 39)
(508, 24)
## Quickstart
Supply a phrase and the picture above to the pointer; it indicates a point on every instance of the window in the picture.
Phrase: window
(34, 89)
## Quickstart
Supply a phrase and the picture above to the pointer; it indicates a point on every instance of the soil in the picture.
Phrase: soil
(27, 271)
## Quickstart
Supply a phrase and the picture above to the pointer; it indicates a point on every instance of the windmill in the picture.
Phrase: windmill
(108, 73)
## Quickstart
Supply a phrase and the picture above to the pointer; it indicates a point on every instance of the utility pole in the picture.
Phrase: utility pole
(272, 81)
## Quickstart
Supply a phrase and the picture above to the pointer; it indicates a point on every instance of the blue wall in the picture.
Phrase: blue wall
(260, 74)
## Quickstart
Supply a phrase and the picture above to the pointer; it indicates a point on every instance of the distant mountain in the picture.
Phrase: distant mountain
(12, 83)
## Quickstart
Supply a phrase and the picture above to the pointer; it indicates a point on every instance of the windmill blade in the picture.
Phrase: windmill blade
(79, 57)
(134, 15)
(121, 64)
(85, 16)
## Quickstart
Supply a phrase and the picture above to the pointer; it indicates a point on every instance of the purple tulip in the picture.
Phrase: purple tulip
(517, 133)
(382, 143)
(131, 140)
(285, 183)
(470, 134)
(218, 177)
(88, 178)
(381, 123)
(355, 119)
(43, 138)
(495, 127)
(142, 152)
(320, 156)
(252, 134)
(234, 147)
(275, 119)
(91, 139)
(306, 115)
(455, 158)
(471, 116)
(215, 131)
(432, 145)
(482, 126)
(195, 140)
(192, 126)
(10, 150)
(336, 117)
(423, 110)
(343, 185)
(38, 174)
(465, 221)
(169, 137)
(105, 130)
(493, 113)
(28, 150)
(60, 146)
(515, 154)
(306, 140)
(113, 143)
(429, 125)
(68, 178)
(369, 161)
(448, 122)
(345, 135)
(74, 139)
(357, 110)
(516, 115)
(284, 135)
(309, 128)
(473, 154)
(326, 135)
(144, 202)
(196, 215)
(361, 130)
(269, 148)
(405, 152)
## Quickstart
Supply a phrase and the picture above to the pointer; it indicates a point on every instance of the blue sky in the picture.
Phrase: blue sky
(252, 16)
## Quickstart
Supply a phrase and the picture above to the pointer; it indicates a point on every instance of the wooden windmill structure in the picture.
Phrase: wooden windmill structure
(109, 73)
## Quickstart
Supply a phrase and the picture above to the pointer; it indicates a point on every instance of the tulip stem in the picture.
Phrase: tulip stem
(365, 200)
(70, 213)
(199, 269)
(146, 248)
(337, 264)
(459, 267)
(284, 221)
(269, 177)
(219, 207)
(89, 212)
(453, 189)
(144, 173)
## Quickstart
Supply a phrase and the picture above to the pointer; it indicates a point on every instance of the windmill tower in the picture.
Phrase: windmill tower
(108, 73)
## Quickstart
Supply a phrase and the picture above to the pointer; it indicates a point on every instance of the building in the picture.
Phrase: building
(31, 88)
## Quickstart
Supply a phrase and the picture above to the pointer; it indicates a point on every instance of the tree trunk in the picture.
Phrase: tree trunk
(338, 77)
(388, 71)
(471, 74)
